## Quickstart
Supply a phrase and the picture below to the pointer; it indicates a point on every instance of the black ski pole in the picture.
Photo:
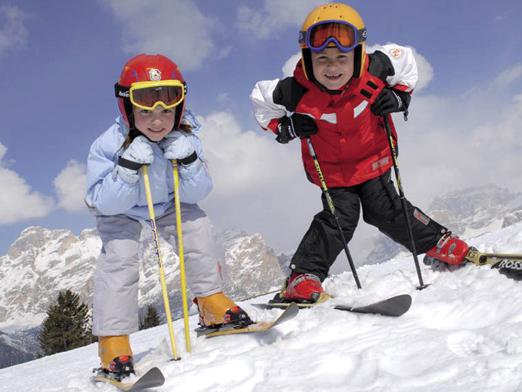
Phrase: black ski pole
(403, 202)
(331, 206)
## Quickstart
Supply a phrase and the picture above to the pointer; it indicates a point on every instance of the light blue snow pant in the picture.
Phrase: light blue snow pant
(115, 302)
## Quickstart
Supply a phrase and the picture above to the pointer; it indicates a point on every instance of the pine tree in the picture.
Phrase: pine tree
(151, 318)
(67, 325)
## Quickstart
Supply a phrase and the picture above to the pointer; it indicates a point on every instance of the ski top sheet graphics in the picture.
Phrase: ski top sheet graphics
(507, 264)
(392, 307)
(153, 378)
(289, 313)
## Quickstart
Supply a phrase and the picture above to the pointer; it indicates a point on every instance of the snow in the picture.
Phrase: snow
(462, 333)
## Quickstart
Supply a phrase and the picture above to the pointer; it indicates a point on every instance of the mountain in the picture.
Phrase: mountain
(468, 213)
(41, 262)
(462, 333)
(15, 347)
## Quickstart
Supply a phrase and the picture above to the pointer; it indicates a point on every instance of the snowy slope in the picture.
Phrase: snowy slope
(463, 333)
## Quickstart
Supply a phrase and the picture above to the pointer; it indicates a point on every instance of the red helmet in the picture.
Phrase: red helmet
(146, 68)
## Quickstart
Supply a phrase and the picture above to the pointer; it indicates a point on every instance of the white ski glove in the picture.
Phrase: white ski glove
(138, 153)
(177, 145)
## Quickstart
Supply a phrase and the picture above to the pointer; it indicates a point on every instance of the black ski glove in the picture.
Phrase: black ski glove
(297, 125)
(390, 101)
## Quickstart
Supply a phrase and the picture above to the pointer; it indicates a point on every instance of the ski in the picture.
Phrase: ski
(507, 264)
(289, 313)
(392, 307)
(153, 378)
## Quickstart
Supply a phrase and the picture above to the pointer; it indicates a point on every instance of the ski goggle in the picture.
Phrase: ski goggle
(148, 95)
(342, 34)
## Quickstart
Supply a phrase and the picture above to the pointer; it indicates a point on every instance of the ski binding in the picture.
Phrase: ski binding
(289, 313)
(507, 264)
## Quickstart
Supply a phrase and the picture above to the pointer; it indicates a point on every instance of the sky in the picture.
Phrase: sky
(462, 333)
(59, 61)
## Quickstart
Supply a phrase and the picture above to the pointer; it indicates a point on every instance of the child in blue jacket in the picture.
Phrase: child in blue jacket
(153, 129)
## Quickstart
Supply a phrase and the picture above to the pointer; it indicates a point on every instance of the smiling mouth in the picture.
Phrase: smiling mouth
(333, 77)
(156, 131)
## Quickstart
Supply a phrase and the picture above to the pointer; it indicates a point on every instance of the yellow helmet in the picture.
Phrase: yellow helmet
(333, 24)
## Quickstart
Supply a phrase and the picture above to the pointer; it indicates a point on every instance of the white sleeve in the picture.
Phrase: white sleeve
(404, 64)
(265, 110)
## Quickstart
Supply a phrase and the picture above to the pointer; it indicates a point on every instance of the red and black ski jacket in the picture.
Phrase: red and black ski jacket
(351, 143)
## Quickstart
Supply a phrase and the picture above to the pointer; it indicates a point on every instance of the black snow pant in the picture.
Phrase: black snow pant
(381, 206)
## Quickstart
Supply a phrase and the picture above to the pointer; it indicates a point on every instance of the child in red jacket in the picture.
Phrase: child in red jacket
(323, 102)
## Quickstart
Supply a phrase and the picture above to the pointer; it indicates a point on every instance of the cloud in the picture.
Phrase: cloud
(3, 150)
(274, 16)
(259, 185)
(235, 155)
(174, 28)
(70, 185)
(13, 32)
(289, 66)
(508, 77)
(425, 70)
(17, 201)
(450, 143)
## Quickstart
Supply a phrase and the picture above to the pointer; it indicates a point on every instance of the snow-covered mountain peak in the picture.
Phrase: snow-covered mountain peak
(476, 205)
(42, 261)
(468, 213)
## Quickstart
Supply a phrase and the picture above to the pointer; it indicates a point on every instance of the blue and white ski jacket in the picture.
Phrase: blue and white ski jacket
(108, 194)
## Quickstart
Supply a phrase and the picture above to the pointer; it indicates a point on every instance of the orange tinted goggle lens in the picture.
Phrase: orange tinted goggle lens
(344, 34)
(170, 96)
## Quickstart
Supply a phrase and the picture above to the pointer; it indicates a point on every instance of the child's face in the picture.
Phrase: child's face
(154, 124)
(333, 68)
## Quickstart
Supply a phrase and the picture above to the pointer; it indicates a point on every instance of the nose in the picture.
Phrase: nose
(156, 117)
(331, 64)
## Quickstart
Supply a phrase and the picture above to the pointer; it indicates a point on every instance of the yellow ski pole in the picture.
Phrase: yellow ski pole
(155, 236)
(181, 254)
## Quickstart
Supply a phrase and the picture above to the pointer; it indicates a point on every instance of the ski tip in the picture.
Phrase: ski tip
(406, 298)
(392, 307)
(152, 378)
